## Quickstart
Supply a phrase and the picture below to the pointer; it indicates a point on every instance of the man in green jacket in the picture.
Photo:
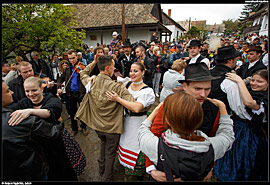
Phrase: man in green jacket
(101, 114)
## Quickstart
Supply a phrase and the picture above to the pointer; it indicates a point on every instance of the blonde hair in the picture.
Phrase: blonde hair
(60, 65)
(18, 58)
(24, 63)
(34, 80)
(179, 65)
(155, 48)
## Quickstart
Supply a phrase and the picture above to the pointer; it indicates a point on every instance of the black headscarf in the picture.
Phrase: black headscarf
(259, 96)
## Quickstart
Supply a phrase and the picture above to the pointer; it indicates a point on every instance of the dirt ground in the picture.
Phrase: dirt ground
(90, 145)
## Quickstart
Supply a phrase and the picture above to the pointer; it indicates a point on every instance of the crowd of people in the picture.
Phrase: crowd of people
(211, 120)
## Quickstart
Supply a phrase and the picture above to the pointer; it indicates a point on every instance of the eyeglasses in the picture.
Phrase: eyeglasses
(72, 58)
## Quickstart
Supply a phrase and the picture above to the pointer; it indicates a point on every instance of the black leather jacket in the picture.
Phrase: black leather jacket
(23, 158)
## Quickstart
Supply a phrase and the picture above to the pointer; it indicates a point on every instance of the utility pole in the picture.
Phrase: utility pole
(123, 24)
(189, 22)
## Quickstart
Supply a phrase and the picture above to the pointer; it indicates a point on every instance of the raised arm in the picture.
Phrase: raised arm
(245, 95)
(84, 74)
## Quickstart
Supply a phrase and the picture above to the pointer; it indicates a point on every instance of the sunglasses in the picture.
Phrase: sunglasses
(64, 63)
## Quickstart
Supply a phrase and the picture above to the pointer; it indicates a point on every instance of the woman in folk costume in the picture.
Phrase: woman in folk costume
(130, 155)
(248, 158)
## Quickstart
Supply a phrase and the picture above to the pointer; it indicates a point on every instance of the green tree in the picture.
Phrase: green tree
(193, 32)
(231, 26)
(45, 28)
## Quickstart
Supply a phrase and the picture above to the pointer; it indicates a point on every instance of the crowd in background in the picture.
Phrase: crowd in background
(149, 71)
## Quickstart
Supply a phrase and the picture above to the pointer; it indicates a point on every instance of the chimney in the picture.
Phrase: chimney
(169, 12)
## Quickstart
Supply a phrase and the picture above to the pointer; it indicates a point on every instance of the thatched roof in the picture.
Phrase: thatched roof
(100, 15)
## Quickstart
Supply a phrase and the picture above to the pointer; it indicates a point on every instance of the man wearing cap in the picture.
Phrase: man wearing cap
(114, 40)
(81, 59)
(177, 54)
(125, 60)
(226, 60)
(198, 84)
(194, 53)
(254, 63)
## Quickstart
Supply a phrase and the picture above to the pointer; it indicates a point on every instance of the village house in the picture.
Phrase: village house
(216, 29)
(176, 29)
(101, 20)
(187, 24)
(258, 21)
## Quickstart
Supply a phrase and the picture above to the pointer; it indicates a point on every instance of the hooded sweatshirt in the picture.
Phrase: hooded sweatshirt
(221, 143)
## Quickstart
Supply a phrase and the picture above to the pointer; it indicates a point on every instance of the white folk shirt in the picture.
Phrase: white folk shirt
(128, 57)
(235, 101)
(205, 60)
(251, 64)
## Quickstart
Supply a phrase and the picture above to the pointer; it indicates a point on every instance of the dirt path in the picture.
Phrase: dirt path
(90, 146)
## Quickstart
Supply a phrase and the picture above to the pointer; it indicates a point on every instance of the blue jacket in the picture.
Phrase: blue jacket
(89, 57)
(175, 56)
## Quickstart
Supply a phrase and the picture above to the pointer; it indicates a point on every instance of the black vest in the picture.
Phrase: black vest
(123, 64)
(210, 114)
(216, 92)
(130, 113)
(188, 165)
(199, 59)
(244, 72)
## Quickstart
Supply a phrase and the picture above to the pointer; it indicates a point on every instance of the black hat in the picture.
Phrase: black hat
(197, 72)
(227, 52)
(194, 43)
(255, 48)
(127, 44)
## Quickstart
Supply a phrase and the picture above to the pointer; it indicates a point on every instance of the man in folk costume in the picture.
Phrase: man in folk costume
(226, 60)
(125, 60)
(194, 53)
(254, 63)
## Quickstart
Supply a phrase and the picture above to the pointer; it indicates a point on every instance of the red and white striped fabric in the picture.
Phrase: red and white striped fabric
(129, 149)
(127, 158)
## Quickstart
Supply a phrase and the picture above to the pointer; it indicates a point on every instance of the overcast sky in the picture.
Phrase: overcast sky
(212, 13)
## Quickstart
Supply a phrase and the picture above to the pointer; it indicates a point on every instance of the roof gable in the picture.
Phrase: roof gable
(167, 20)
